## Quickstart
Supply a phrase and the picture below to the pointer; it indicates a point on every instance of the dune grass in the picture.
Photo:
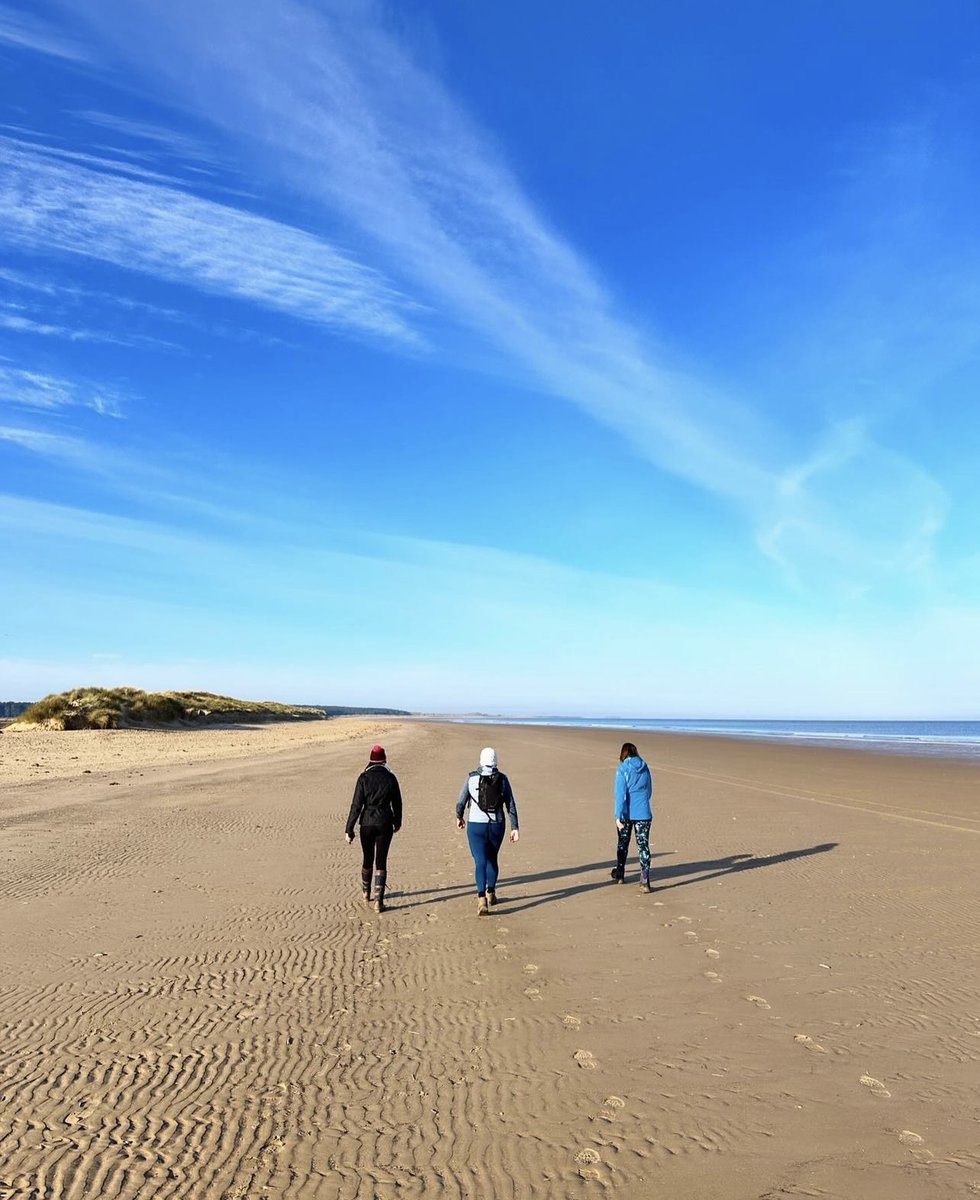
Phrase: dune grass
(125, 707)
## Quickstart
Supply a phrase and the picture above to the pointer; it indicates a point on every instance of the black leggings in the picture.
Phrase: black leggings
(375, 840)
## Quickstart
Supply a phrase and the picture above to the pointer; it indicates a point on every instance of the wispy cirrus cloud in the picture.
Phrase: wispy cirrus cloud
(44, 305)
(13, 319)
(160, 138)
(828, 533)
(49, 304)
(28, 32)
(59, 447)
(42, 392)
(54, 207)
(349, 118)
(35, 141)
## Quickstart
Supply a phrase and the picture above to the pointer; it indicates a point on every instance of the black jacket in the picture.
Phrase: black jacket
(377, 801)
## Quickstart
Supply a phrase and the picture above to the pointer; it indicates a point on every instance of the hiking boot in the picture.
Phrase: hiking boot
(482, 908)
(380, 881)
(366, 887)
(491, 897)
(379, 905)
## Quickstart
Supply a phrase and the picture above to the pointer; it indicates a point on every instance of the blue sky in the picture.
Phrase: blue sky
(510, 358)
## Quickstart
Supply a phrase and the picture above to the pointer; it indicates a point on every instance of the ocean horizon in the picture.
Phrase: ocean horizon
(912, 737)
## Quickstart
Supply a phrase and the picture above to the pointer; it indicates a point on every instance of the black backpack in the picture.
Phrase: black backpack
(490, 795)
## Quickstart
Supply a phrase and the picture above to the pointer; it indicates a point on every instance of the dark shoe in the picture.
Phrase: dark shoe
(379, 890)
(617, 875)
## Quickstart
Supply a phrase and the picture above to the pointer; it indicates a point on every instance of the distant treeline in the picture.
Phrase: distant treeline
(335, 710)
(13, 708)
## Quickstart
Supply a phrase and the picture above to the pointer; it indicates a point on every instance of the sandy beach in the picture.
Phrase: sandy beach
(196, 1004)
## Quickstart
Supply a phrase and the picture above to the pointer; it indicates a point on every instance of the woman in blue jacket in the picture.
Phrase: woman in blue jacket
(633, 810)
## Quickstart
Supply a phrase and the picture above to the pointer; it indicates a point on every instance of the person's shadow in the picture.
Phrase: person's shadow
(728, 866)
(663, 878)
(441, 894)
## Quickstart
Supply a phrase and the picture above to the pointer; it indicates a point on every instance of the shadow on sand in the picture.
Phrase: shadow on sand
(450, 892)
(680, 875)
(728, 866)
(693, 872)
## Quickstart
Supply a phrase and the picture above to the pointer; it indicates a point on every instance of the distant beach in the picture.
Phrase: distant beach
(197, 1004)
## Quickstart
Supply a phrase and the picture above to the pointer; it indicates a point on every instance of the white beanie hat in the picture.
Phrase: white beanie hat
(488, 757)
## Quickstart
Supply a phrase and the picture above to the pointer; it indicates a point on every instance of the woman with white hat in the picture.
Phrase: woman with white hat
(486, 794)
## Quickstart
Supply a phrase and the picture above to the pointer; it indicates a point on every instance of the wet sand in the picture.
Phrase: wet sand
(195, 1003)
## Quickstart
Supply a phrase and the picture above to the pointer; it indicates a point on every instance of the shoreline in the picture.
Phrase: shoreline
(911, 744)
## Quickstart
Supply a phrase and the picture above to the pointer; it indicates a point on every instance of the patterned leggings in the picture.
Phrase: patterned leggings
(642, 829)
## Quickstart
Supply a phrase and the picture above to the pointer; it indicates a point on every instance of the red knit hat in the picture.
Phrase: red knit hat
(378, 754)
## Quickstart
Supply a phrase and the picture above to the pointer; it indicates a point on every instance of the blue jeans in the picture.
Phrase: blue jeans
(485, 838)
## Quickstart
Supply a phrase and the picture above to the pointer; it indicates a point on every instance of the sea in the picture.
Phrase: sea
(960, 738)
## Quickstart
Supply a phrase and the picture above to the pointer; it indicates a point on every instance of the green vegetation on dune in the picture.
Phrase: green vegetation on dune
(121, 707)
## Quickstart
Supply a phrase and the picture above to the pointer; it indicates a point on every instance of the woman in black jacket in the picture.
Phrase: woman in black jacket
(377, 803)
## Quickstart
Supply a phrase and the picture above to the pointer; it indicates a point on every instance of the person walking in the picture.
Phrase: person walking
(632, 793)
(484, 797)
(377, 804)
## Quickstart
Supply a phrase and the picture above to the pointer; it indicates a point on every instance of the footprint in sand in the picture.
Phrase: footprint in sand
(570, 1022)
(584, 1059)
(713, 976)
(586, 1157)
(612, 1106)
(530, 968)
(759, 1001)
(809, 1043)
(875, 1086)
(502, 946)
(915, 1147)
(713, 953)
(532, 993)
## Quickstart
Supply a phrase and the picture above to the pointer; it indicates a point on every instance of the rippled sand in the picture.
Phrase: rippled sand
(195, 1003)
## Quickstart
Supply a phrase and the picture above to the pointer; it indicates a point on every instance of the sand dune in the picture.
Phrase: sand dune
(196, 1004)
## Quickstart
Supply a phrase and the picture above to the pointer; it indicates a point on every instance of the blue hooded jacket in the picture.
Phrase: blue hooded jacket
(633, 791)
